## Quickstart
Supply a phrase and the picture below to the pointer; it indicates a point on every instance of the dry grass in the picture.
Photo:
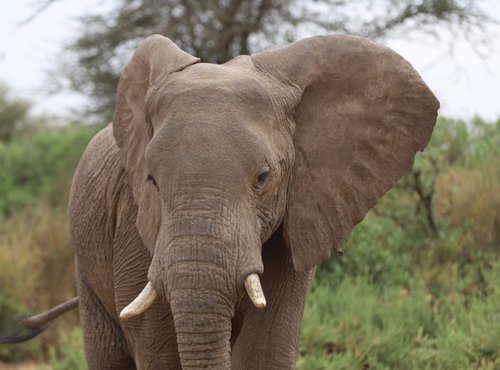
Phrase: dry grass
(471, 197)
(21, 366)
(37, 264)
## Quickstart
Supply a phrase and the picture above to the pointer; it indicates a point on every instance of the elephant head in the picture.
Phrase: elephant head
(308, 136)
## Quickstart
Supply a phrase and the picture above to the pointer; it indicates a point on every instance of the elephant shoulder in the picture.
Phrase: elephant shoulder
(100, 154)
(98, 185)
(98, 180)
(99, 163)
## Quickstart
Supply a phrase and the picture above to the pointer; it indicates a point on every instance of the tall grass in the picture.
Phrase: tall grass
(36, 269)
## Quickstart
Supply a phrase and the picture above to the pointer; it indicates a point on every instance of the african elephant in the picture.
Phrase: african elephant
(217, 189)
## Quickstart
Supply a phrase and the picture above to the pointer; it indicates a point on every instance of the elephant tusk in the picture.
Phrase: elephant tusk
(254, 290)
(140, 304)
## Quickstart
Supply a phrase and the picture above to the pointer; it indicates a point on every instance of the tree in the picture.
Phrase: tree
(13, 113)
(217, 30)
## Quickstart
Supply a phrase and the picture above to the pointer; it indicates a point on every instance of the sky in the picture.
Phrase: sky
(465, 82)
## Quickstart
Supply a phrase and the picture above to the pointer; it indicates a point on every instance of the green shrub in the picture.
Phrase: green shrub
(10, 309)
(361, 325)
(369, 253)
(71, 354)
(40, 166)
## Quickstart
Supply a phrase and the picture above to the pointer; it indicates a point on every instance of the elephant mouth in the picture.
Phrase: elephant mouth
(148, 295)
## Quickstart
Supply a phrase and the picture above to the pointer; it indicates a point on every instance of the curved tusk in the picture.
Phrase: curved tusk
(140, 304)
(254, 290)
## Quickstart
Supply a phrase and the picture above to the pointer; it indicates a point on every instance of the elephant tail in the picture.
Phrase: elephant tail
(31, 326)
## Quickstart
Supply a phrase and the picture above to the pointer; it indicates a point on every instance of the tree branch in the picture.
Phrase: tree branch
(43, 5)
(426, 200)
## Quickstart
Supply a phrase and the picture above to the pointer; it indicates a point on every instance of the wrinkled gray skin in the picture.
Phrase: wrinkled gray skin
(209, 173)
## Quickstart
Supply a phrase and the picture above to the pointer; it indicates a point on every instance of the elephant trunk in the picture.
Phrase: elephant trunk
(202, 309)
(201, 263)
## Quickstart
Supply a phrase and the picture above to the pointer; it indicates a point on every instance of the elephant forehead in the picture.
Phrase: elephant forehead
(219, 146)
(235, 79)
(212, 119)
(212, 92)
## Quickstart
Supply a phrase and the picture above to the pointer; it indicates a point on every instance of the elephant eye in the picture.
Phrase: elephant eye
(151, 179)
(262, 179)
(263, 176)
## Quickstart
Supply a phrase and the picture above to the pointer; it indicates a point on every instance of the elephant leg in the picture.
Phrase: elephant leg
(269, 338)
(105, 345)
(151, 335)
(152, 338)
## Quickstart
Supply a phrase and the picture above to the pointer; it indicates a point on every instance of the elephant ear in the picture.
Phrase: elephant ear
(361, 114)
(155, 59)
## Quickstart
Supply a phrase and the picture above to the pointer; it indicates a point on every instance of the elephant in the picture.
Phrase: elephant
(200, 212)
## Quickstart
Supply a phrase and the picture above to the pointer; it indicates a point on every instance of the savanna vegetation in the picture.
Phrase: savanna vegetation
(36, 257)
(417, 288)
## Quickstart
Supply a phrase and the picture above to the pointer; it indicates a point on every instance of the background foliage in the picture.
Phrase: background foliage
(218, 30)
(38, 166)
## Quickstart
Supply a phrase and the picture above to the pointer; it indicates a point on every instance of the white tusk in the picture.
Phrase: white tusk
(254, 290)
(140, 304)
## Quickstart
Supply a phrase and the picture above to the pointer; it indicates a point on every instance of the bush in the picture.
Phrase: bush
(40, 166)
(369, 254)
(70, 355)
(360, 325)
(10, 309)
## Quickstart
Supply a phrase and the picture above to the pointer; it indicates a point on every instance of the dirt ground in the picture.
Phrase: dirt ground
(22, 366)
